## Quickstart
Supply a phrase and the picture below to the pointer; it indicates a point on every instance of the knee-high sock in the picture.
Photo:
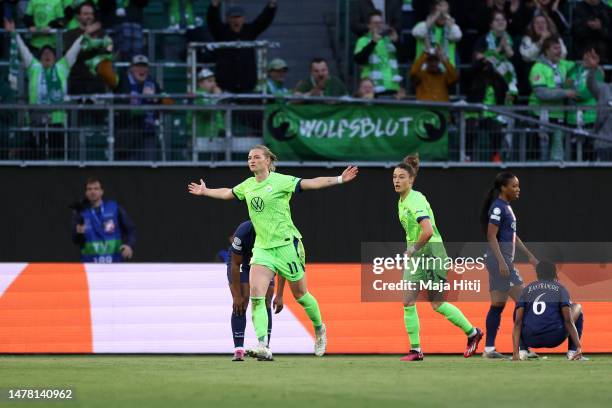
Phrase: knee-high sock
(579, 324)
(311, 307)
(411, 321)
(456, 317)
(269, 312)
(238, 326)
(493, 320)
(260, 317)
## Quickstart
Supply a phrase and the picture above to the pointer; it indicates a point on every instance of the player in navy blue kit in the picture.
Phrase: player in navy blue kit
(238, 269)
(545, 316)
(499, 224)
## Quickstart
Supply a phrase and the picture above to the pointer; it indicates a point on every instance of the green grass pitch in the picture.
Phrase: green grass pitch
(304, 381)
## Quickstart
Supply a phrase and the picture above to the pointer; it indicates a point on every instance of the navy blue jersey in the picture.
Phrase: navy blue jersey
(242, 244)
(501, 214)
(543, 301)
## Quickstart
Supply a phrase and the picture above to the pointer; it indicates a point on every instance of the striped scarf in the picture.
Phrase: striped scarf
(13, 74)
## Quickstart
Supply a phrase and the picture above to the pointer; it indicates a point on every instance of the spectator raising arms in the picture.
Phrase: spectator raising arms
(431, 75)
(320, 83)
(95, 46)
(540, 28)
(603, 93)
(439, 29)
(376, 52)
(47, 83)
(592, 29)
(237, 67)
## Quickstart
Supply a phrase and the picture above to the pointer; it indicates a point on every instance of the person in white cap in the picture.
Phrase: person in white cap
(277, 72)
(207, 123)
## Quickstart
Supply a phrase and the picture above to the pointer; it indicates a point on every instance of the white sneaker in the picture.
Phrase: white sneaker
(320, 341)
(263, 353)
(523, 355)
(570, 356)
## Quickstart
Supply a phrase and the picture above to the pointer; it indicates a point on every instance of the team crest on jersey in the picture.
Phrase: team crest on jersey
(109, 226)
(257, 204)
(269, 188)
(496, 211)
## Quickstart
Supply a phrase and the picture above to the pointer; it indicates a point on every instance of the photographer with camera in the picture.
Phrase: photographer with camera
(376, 53)
(439, 29)
(432, 74)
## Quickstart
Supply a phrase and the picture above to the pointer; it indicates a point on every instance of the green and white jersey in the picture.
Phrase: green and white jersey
(412, 210)
(48, 86)
(269, 211)
(552, 76)
(583, 117)
(382, 66)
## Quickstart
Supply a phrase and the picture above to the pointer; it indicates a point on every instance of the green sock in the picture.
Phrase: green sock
(260, 317)
(411, 321)
(311, 307)
(454, 315)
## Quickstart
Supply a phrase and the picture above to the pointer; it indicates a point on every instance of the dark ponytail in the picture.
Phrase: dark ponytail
(410, 164)
(500, 180)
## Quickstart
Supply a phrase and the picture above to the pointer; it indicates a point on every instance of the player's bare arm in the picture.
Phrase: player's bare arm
(317, 183)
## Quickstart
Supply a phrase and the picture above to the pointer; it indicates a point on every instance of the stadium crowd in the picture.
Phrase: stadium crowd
(518, 52)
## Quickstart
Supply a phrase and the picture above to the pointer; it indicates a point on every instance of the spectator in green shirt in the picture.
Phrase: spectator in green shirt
(40, 17)
(376, 53)
(549, 82)
(320, 83)
(208, 123)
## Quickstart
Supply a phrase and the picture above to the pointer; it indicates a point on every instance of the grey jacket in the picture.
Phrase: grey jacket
(603, 125)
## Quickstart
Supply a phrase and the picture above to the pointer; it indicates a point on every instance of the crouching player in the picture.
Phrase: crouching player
(238, 269)
(545, 316)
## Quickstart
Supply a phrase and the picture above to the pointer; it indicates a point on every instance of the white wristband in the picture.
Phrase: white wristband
(339, 179)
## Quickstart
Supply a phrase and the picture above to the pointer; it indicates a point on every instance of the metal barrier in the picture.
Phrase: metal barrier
(222, 132)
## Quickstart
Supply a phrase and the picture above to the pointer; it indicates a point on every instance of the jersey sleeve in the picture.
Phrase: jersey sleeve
(495, 215)
(289, 184)
(564, 297)
(241, 236)
(419, 209)
(537, 76)
(239, 190)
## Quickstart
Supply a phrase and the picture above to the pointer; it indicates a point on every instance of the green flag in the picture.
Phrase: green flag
(350, 132)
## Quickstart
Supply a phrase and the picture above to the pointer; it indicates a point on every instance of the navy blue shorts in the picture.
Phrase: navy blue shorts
(499, 282)
(548, 340)
(244, 276)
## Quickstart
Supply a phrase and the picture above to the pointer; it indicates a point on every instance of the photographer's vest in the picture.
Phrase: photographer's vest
(382, 66)
(102, 234)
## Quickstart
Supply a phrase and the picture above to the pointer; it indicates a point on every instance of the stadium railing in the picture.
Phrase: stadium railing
(110, 132)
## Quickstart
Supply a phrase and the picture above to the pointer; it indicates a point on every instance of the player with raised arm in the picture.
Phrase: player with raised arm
(499, 224)
(545, 316)
(278, 247)
(425, 244)
(238, 267)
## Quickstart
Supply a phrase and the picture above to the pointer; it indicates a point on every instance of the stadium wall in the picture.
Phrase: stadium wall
(185, 308)
(555, 205)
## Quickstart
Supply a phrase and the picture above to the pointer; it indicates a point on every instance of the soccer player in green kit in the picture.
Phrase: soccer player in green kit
(278, 247)
(424, 242)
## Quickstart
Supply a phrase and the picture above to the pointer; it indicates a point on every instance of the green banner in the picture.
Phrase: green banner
(351, 132)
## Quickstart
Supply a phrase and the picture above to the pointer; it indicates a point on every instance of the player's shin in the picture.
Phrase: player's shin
(260, 318)
(411, 321)
(456, 317)
(311, 307)
(238, 326)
